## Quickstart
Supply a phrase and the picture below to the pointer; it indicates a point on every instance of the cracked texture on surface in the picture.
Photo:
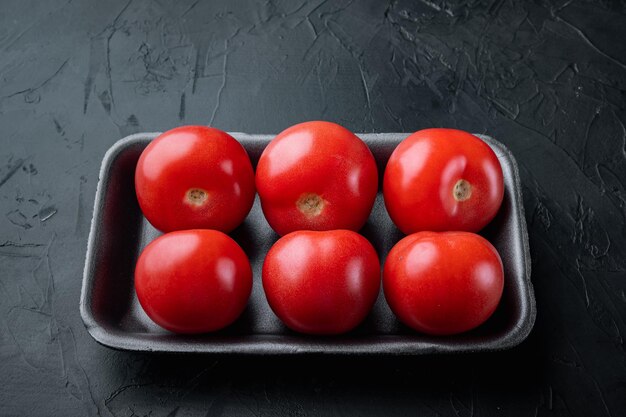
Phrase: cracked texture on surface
(546, 78)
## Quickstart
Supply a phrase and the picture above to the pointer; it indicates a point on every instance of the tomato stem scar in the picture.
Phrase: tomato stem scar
(462, 190)
(196, 196)
(311, 204)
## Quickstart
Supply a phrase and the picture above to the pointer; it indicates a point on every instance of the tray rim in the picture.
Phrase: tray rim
(265, 345)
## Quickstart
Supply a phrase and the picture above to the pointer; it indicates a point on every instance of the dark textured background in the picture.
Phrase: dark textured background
(548, 79)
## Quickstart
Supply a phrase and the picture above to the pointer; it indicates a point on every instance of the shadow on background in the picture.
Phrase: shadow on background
(319, 384)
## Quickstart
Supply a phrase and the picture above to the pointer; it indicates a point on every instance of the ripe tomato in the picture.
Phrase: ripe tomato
(321, 282)
(195, 177)
(443, 283)
(442, 179)
(193, 281)
(316, 176)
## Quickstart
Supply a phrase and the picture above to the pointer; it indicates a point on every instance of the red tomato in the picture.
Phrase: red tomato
(443, 283)
(195, 177)
(442, 179)
(193, 281)
(321, 282)
(316, 176)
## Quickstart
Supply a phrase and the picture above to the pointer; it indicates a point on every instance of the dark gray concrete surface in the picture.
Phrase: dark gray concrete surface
(548, 79)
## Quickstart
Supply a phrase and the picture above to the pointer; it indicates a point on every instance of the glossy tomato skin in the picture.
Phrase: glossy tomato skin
(442, 179)
(193, 281)
(443, 283)
(321, 282)
(195, 177)
(316, 176)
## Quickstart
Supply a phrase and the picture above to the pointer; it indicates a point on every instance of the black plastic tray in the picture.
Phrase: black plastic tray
(113, 316)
